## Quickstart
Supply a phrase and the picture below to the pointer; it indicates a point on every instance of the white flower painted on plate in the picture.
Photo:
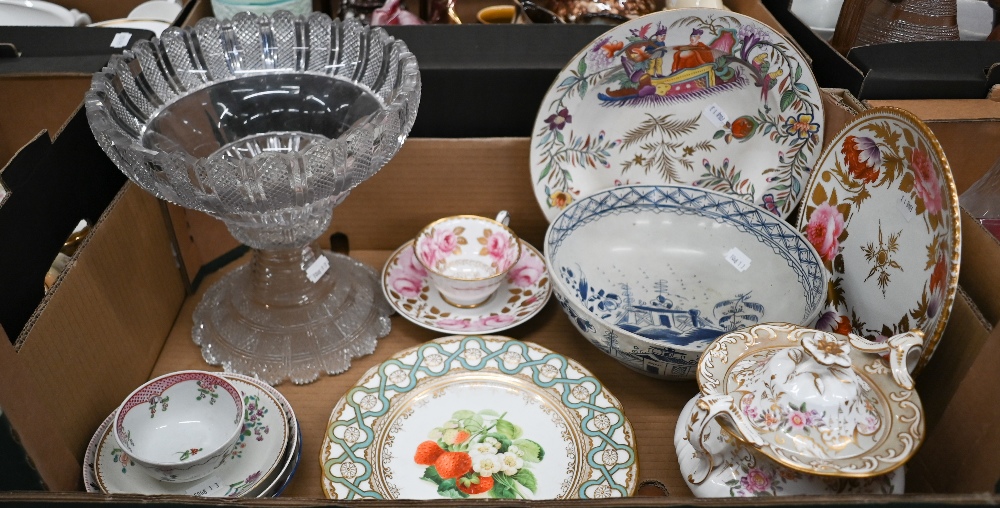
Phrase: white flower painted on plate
(487, 465)
(511, 463)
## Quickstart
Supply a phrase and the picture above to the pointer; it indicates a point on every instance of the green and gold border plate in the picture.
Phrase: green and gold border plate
(478, 417)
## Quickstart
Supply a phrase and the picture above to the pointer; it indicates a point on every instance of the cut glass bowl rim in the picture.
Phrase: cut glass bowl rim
(120, 132)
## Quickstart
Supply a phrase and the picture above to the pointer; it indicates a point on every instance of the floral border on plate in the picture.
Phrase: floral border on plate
(887, 158)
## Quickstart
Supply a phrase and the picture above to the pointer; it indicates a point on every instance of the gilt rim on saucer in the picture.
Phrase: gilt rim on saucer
(426, 308)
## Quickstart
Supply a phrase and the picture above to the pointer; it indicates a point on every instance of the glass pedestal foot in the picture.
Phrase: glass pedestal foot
(274, 320)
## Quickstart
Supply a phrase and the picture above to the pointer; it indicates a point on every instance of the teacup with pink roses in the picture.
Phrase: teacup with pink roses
(467, 257)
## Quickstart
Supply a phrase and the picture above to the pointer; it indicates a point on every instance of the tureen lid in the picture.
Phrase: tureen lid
(818, 402)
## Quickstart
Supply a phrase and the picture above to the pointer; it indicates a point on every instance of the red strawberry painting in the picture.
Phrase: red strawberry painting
(480, 454)
(427, 453)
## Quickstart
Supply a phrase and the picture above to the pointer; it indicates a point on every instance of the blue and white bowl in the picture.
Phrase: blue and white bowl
(651, 274)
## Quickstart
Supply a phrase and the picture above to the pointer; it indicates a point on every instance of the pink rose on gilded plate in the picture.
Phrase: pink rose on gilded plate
(928, 187)
(407, 287)
(825, 226)
(453, 323)
(407, 278)
(756, 480)
(496, 320)
(409, 267)
(526, 272)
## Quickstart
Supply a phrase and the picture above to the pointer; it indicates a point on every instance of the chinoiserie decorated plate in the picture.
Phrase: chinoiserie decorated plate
(882, 210)
(254, 464)
(699, 97)
(476, 417)
(406, 285)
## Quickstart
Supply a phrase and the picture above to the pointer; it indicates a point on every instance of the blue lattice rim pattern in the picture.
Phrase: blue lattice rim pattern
(448, 355)
(770, 230)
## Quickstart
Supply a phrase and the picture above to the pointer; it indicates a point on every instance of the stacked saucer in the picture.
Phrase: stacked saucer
(260, 463)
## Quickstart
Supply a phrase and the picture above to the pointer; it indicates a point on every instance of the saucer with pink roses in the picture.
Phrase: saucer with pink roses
(523, 292)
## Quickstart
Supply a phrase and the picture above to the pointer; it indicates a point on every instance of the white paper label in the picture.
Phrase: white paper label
(716, 115)
(738, 259)
(4, 193)
(204, 487)
(317, 268)
(907, 207)
(121, 40)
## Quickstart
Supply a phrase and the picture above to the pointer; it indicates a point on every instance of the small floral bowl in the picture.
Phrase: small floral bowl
(467, 257)
(180, 427)
(652, 274)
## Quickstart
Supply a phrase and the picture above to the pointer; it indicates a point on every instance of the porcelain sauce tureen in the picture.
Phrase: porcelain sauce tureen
(804, 403)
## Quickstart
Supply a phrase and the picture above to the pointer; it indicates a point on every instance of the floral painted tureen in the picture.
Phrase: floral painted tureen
(813, 402)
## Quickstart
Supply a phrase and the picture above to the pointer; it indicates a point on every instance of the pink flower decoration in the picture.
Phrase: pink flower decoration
(756, 480)
(392, 13)
(453, 323)
(526, 272)
(498, 319)
(497, 245)
(409, 267)
(798, 419)
(926, 182)
(446, 241)
(825, 226)
(407, 287)
(427, 251)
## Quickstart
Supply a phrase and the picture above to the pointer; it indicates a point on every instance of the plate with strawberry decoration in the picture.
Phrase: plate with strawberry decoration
(882, 211)
(521, 295)
(700, 97)
(466, 417)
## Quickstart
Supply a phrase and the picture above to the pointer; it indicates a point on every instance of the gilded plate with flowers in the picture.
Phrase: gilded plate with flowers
(701, 97)
(882, 210)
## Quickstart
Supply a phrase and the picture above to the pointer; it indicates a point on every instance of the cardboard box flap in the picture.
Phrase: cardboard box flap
(45, 41)
(832, 70)
(52, 187)
(926, 69)
(910, 70)
(94, 338)
(960, 453)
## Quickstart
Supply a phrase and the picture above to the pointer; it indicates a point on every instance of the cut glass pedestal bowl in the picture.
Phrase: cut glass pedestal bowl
(266, 123)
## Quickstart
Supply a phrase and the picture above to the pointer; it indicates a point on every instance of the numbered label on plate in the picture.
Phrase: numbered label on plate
(738, 259)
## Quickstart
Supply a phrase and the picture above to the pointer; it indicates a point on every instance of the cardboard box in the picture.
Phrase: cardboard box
(121, 315)
(910, 70)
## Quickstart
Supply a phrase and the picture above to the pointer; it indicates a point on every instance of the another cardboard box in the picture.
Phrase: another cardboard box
(911, 70)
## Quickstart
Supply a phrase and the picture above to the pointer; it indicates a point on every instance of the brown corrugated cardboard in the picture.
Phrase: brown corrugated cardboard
(120, 315)
(476, 176)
